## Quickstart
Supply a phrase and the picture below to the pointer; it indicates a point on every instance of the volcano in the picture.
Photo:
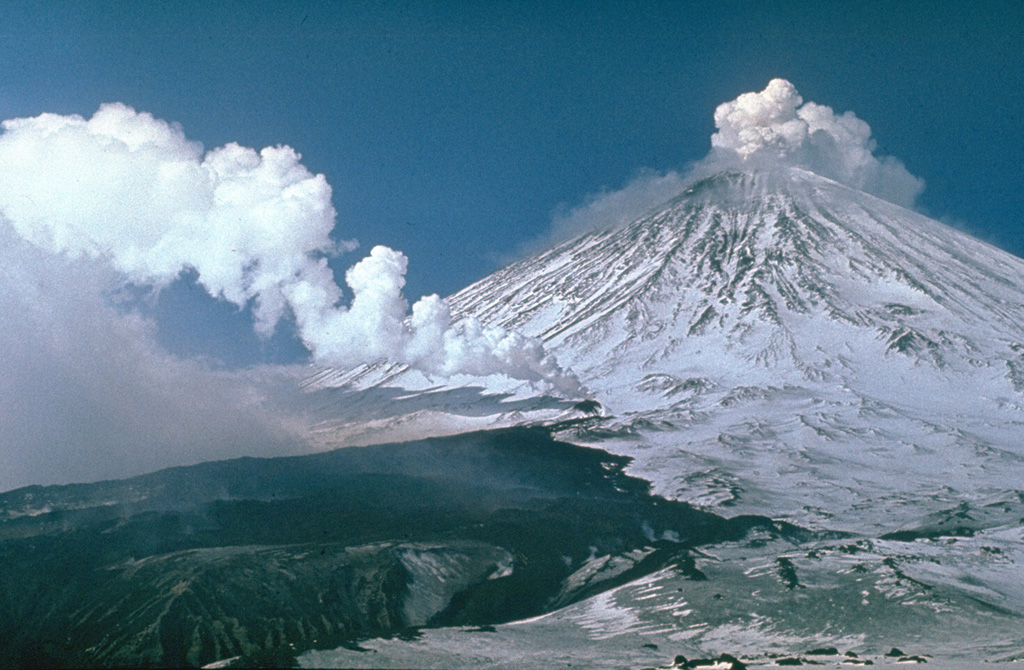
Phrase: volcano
(775, 343)
(789, 321)
(794, 274)
(800, 441)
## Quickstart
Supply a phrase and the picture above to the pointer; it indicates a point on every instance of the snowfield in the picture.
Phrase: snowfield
(764, 344)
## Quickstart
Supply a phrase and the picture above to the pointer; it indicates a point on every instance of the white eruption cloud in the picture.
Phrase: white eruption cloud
(770, 130)
(87, 394)
(255, 227)
(776, 127)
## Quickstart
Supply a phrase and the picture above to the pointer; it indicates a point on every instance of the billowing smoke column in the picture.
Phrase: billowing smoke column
(255, 227)
(776, 127)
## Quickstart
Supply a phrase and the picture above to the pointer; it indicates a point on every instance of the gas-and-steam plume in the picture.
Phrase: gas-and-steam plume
(255, 228)
(776, 128)
(770, 130)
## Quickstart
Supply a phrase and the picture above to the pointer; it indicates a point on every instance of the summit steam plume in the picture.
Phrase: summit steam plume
(767, 132)
(132, 190)
(777, 128)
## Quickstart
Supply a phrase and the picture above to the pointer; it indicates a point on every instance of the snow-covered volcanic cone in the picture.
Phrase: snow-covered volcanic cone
(773, 342)
(777, 338)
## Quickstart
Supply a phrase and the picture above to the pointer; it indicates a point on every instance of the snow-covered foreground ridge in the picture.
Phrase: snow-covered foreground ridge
(778, 344)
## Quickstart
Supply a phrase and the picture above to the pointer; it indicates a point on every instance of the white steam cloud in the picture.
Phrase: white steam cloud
(770, 130)
(86, 393)
(611, 209)
(776, 127)
(132, 190)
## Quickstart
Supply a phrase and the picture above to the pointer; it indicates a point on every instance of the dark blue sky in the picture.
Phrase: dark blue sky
(452, 131)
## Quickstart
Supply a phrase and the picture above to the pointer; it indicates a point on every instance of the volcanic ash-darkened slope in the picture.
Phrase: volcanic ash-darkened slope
(265, 558)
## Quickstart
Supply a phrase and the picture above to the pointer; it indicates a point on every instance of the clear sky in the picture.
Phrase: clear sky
(453, 130)
(457, 131)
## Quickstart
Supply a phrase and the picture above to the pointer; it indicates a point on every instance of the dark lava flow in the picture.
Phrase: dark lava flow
(266, 558)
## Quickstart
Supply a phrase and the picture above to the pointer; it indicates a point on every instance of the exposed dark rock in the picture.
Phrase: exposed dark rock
(735, 663)
(787, 573)
(588, 407)
(681, 661)
(688, 566)
(929, 533)
(824, 651)
(266, 558)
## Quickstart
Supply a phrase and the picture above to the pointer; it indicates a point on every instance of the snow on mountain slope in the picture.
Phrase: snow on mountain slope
(755, 277)
(774, 329)
(774, 344)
